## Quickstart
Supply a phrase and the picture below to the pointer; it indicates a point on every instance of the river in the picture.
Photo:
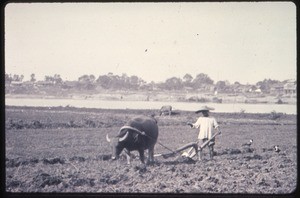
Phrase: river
(105, 104)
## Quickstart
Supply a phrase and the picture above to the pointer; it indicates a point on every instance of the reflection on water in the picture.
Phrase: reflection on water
(104, 104)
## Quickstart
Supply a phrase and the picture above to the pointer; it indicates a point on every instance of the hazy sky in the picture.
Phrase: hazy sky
(245, 42)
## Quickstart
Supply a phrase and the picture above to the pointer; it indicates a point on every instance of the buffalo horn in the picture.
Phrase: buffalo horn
(132, 128)
(124, 137)
(107, 138)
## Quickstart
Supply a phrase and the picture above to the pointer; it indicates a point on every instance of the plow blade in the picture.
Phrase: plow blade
(192, 151)
(194, 146)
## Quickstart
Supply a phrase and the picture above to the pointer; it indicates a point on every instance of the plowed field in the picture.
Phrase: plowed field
(64, 149)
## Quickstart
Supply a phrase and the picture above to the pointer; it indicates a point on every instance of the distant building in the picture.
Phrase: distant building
(188, 89)
(16, 83)
(253, 89)
(257, 90)
(44, 83)
(277, 89)
(290, 87)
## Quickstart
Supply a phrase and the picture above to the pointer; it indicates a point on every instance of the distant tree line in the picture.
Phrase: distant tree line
(124, 82)
(17, 78)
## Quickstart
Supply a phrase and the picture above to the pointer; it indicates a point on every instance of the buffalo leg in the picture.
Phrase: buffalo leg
(142, 156)
(128, 156)
(151, 154)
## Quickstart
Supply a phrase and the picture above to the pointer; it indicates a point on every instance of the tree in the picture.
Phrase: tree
(92, 78)
(266, 85)
(32, 78)
(221, 85)
(86, 78)
(134, 80)
(56, 79)
(173, 83)
(187, 80)
(49, 79)
(104, 81)
(111, 81)
(202, 80)
(8, 78)
(86, 82)
(237, 83)
(17, 78)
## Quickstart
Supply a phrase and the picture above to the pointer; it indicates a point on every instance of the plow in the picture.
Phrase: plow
(192, 147)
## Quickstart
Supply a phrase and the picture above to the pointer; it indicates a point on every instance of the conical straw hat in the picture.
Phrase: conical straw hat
(204, 108)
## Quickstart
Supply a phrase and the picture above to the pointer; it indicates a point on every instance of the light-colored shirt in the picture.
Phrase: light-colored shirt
(206, 124)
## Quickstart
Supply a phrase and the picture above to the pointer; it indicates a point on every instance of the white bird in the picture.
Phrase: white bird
(276, 148)
(249, 143)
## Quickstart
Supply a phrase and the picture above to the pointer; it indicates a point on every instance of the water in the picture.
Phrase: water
(105, 104)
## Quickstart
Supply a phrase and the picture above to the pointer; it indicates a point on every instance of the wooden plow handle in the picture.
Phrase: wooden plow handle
(207, 141)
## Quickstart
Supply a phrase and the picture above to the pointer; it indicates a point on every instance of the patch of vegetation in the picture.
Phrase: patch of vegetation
(275, 115)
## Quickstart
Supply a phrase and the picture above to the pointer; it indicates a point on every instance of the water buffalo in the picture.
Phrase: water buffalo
(139, 134)
(165, 109)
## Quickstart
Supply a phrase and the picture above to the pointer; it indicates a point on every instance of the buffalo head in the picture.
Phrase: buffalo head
(116, 145)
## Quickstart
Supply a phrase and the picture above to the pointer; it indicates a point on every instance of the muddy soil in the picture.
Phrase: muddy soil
(64, 150)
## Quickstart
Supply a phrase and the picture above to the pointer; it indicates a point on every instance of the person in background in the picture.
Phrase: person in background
(207, 125)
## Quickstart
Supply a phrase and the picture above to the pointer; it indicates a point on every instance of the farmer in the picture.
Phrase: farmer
(206, 125)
